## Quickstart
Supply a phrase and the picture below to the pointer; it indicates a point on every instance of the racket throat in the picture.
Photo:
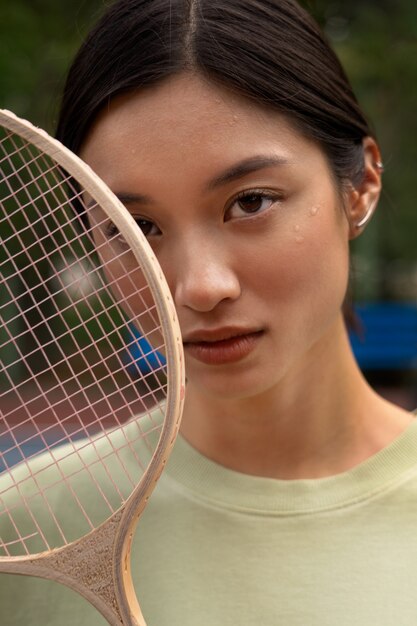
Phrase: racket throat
(87, 567)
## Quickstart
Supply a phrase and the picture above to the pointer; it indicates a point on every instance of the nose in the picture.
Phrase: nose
(204, 276)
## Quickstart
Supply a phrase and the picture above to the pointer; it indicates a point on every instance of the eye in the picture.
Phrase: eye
(251, 203)
(147, 227)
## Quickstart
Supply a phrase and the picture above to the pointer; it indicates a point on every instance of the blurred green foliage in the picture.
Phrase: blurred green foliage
(377, 43)
(37, 41)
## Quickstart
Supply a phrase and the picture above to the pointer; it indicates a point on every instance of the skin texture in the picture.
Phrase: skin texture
(288, 402)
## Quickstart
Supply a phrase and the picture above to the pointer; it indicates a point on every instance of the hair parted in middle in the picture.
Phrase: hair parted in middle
(271, 51)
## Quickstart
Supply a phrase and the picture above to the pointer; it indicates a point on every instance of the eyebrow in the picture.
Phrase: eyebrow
(236, 171)
(247, 166)
(132, 198)
(126, 198)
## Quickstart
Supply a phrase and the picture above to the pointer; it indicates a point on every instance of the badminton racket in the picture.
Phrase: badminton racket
(91, 376)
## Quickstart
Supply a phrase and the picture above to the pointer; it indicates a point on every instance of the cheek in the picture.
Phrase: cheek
(304, 275)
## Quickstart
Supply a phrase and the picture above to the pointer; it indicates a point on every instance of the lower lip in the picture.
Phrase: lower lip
(223, 352)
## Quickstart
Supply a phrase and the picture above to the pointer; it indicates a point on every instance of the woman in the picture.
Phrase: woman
(233, 135)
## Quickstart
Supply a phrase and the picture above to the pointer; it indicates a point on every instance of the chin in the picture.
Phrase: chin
(233, 384)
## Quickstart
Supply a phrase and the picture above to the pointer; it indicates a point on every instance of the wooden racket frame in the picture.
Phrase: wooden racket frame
(98, 564)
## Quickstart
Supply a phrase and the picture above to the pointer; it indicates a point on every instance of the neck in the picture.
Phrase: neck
(321, 419)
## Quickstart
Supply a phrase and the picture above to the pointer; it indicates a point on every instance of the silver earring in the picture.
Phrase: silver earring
(379, 165)
(367, 216)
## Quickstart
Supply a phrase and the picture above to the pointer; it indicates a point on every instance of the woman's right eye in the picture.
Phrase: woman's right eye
(147, 227)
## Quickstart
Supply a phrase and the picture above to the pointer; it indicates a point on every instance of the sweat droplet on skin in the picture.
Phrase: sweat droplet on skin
(314, 210)
(296, 229)
(299, 239)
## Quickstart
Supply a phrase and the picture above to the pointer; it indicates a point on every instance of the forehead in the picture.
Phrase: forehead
(186, 114)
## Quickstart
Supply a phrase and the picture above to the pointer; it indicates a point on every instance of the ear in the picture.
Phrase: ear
(363, 199)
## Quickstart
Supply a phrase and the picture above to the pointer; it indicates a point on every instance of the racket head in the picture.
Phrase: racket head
(83, 295)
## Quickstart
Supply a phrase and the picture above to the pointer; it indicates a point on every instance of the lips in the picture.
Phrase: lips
(221, 346)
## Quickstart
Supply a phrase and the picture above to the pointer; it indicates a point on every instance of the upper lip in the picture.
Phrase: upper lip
(217, 334)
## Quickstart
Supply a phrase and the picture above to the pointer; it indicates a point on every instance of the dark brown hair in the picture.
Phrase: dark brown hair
(271, 51)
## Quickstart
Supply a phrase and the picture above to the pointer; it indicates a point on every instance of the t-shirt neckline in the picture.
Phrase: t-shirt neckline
(206, 480)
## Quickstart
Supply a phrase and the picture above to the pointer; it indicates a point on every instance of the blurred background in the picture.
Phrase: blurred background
(377, 43)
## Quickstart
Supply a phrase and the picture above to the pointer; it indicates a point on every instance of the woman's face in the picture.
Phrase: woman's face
(245, 219)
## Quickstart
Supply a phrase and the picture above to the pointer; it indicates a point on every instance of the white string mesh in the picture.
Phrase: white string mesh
(82, 367)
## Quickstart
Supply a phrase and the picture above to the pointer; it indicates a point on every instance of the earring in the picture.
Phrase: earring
(379, 165)
(367, 216)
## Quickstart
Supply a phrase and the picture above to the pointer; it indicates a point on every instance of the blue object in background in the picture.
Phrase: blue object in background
(140, 356)
(388, 337)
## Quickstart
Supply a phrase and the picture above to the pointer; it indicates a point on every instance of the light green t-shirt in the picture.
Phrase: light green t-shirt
(218, 548)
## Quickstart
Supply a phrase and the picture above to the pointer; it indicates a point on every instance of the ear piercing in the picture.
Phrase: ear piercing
(367, 216)
(379, 165)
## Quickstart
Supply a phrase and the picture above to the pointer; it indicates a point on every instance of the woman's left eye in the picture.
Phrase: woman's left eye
(250, 203)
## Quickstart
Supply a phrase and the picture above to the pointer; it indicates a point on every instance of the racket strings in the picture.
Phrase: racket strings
(78, 449)
(76, 406)
(63, 384)
(26, 501)
(67, 267)
(50, 431)
(76, 196)
(58, 291)
(68, 395)
(81, 325)
(58, 336)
